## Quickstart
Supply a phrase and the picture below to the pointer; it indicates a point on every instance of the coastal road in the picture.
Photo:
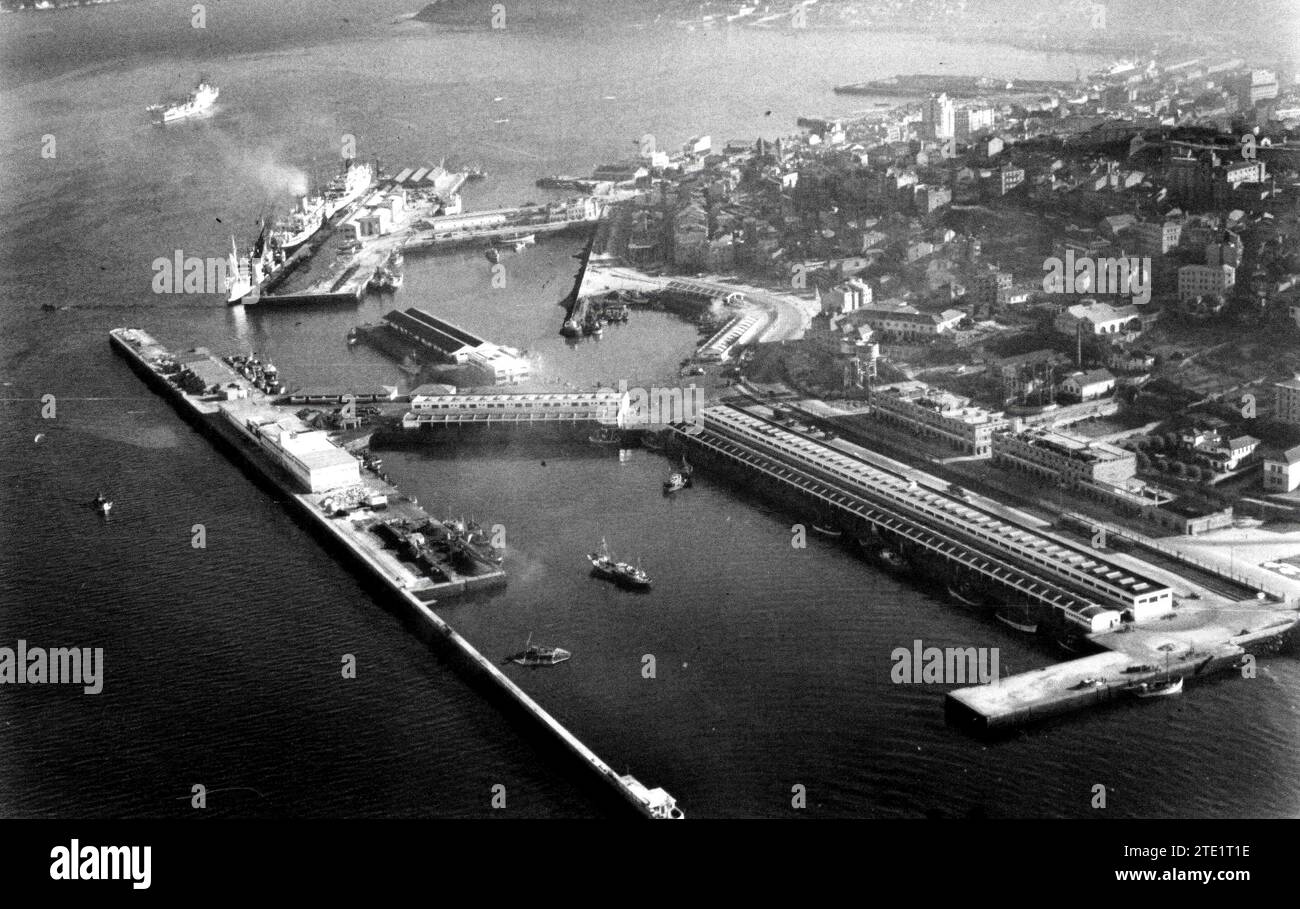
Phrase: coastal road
(788, 316)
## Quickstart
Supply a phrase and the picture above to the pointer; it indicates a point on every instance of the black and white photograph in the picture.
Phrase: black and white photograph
(708, 410)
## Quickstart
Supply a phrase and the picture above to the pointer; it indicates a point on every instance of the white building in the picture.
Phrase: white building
(938, 118)
(495, 365)
(903, 322)
(307, 454)
(1282, 472)
(1087, 386)
(847, 297)
(1097, 319)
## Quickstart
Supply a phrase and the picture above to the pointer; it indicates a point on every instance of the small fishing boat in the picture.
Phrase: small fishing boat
(675, 482)
(101, 504)
(537, 655)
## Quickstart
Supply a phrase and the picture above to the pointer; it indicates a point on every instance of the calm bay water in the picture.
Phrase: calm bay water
(222, 665)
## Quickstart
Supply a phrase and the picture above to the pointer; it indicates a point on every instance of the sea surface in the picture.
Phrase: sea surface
(222, 664)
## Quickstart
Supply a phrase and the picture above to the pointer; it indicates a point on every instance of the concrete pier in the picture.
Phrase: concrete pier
(1100, 599)
(148, 358)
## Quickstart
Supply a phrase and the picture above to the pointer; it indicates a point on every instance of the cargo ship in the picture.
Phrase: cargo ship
(279, 240)
(343, 190)
(248, 274)
(196, 102)
(302, 223)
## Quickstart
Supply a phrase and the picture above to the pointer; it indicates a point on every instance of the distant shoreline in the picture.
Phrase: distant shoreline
(1118, 41)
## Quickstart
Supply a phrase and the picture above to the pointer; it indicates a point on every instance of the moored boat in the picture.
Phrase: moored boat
(1158, 688)
(342, 191)
(301, 224)
(101, 504)
(537, 655)
(892, 559)
(1021, 618)
(606, 435)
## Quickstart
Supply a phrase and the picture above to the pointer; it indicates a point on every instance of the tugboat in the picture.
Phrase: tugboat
(621, 573)
(101, 504)
(679, 478)
(536, 655)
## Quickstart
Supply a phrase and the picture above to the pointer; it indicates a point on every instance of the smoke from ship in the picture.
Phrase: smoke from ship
(279, 179)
